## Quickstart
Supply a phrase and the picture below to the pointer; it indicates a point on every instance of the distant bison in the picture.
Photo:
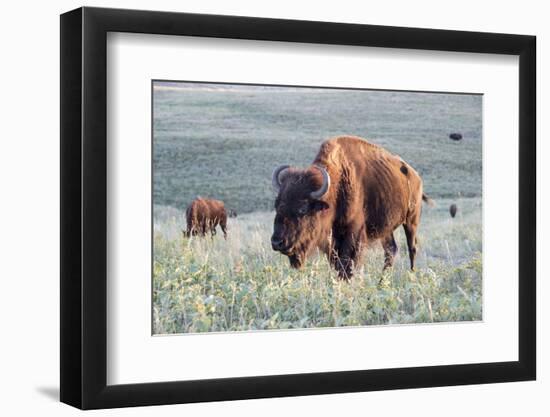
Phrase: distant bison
(204, 215)
(453, 209)
(455, 136)
(353, 192)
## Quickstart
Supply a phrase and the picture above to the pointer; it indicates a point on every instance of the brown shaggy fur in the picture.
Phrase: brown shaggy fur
(372, 193)
(204, 215)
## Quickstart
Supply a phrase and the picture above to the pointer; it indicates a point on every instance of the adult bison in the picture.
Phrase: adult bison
(353, 192)
(204, 215)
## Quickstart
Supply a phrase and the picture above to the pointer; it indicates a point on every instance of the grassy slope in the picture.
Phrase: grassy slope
(226, 145)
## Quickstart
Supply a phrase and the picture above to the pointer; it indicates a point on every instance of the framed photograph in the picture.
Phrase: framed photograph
(257, 208)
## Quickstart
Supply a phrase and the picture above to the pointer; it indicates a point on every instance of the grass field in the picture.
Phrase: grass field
(242, 284)
(223, 143)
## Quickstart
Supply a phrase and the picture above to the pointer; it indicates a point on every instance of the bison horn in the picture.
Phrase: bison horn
(326, 184)
(275, 177)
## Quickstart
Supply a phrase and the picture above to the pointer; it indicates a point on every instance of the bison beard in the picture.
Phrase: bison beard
(353, 192)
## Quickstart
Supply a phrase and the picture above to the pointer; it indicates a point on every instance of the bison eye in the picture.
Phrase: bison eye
(302, 210)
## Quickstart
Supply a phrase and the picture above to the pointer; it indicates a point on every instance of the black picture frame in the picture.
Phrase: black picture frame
(84, 207)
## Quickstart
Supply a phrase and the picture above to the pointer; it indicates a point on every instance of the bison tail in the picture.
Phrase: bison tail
(428, 200)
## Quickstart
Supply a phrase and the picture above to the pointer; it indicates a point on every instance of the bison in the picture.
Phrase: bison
(453, 209)
(204, 215)
(353, 192)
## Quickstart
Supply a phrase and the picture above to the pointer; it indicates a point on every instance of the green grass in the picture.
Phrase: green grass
(225, 145)
(214, 285)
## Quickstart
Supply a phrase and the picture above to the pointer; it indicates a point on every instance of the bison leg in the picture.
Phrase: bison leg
(390, 250)
(347, 251)
(212, 224)
(223, 225)
(347, 260)
(410, 232)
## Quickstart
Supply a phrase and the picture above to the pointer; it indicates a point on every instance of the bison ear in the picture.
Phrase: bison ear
(318, 205)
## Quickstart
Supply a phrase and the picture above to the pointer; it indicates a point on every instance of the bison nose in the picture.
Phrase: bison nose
(276, 243)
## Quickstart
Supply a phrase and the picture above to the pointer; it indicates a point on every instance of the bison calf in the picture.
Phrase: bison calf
(204, 215)
(353, 192)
